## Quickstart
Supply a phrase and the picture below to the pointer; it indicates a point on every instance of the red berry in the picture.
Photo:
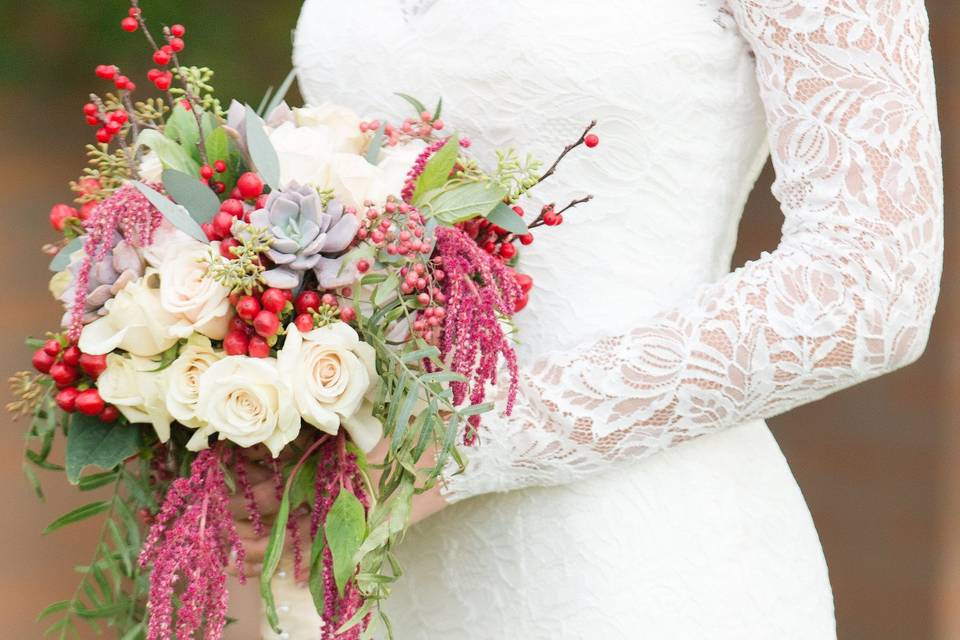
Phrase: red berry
(90, 109)
(93, 121)
(92, 365)
(519, 211)
(206, 171)
(67, 399)
(177, 44)
(288, 294)
(42, 361)
(521, 303)
(113, 127)
(59, 214)
(130, 86)
(220, 166)
(591, 140)
(306, 301)
(258, 348)
(363, 266)
(239, 324)
(210, 232)
(266, 324)
(304, 322)
(106, 71)
(250, 185)
(63, 375)
(550, 218)
(222, 222)
(89, 402)
(507, 250)
(52, 347)
(233, 207)
(161, 57)
(163, 81)
(261, 202)
(87, 209)
(178, 30)
(248, 307)
(120, 82)
(225, 247)
(219, 187)
(109, 414)
(273, 300)
(71, 355)
(236, 343)
(347, 314)
(119, 116)
(103, 136)
(490, 246)
(129, 24)
(153, 74)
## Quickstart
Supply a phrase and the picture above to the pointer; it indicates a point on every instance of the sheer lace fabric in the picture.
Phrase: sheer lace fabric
(848, 295)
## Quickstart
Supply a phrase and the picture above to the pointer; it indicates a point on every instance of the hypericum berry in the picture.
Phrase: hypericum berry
(248, 308)
(233, 207)
(206, 171)
(161, 57)
(113, 127)
(258, 348)
(119, 116)
(218, 186)
(120, 82)
(153, 74)
(363, 266)
(507, 250)
(163, 81)
(524, 281)
(52, 347)
(521, 303)
(526, 239)
(42, 361)
(210, 232)
(591, 140)
(222, 223)
(103, 136)
(93, 121)
(67, 399)
(59, 215)
(92, 365)
(250, 185)
(220, 166)
(90, 109)
(347, 314)
(304, 322)
(236, 343)
(307, 301)
(226, 245)
(177, 44)
(273, 300)
(89, 402)
(129, 24)
(178, 30)
(71, 355)
(110, 414)
(239, 324)
(106, 71)
(63, 375)
(267, 324)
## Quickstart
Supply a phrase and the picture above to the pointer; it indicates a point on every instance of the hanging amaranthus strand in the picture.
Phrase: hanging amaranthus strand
(192, 538)
(480, 291)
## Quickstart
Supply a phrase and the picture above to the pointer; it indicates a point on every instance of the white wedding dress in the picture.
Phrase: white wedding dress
(583, 515)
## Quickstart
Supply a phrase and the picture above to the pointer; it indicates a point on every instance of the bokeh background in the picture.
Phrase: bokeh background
(879, 463)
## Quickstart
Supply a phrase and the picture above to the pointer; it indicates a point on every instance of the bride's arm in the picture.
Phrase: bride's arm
(848, 295)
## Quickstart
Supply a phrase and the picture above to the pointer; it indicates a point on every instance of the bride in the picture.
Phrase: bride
(636, 491)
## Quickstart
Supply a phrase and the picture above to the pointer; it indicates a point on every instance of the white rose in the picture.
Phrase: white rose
(354, 180)
(200, 303)
(342, 124)
(133, 385)
(136, 322)
(247, 401)
(151, 168)
(183, 379)
(336, 378)
(305, 154)
(166, 238)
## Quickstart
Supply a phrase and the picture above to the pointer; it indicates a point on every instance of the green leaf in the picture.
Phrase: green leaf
(172, 155)
(386, 289)
(197, 198)
(82, 513)
(373, 151)
(442, 376)
(438, 169)
(428, 353)
(219, 148)
(281, 93)
(62, 260)
(438, 110)
(94, 443)
(506, 218)
(181, 127)
(97, 480)
(262, 153)
(475, 409)
(315, 582)
(174, 213)
(463, 202)
(56, 607)
(416, 104)
(345, 528)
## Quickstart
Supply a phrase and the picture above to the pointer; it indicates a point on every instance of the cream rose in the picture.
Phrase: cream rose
(342, 124)
(134, 386)
(151, 168)
(183, 379)
(305, 154)
(136, 322)
(247, 401)
(200, 303)
(336, 379)
(354, 180)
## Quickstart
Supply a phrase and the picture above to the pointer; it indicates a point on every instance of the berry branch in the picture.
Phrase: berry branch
(550, 216)
(592, 142)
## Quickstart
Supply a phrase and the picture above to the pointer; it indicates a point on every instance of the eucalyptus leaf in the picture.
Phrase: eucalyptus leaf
(416, 104)
(466, 201)
(81, 513)
(373, 151)
(198, 199)
(172, 155)
(91, 442)
(345, 529)
(174, 213)
(262, 153)
(506, 218)
(62, 260)
(437, 171)
(386, 289)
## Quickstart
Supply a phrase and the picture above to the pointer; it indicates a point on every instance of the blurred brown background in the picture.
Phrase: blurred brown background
(879, 463)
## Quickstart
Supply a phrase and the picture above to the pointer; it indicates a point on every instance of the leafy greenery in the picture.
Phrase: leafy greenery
(91, 442)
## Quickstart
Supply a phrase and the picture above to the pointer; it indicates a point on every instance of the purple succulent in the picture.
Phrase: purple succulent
(306, 236)
(120, 266)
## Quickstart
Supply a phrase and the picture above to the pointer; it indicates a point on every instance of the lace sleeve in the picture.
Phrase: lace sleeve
(848, 295)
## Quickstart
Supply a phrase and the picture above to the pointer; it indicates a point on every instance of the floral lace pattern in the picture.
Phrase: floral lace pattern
(848, 295)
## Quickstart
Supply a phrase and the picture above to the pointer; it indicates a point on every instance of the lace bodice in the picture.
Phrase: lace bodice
(618, 366)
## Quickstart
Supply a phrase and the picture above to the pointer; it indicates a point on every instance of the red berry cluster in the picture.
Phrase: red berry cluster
(110, 124)
(207, 173)
(60, 214)
(246, 196)
(75, 375)
(254, 329)
(161, 77)
(420, 128)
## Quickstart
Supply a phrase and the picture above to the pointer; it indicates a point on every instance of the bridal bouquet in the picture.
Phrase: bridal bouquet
(299, 281)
